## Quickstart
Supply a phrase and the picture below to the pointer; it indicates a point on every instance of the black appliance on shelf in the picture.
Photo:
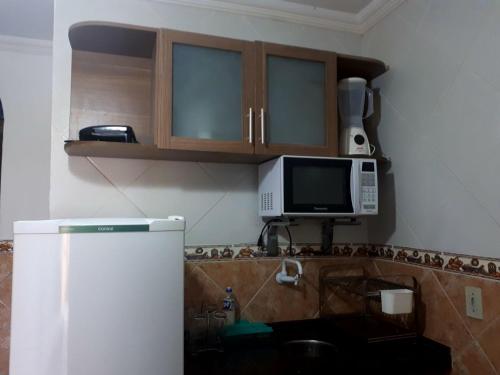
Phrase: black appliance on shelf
(108, 133)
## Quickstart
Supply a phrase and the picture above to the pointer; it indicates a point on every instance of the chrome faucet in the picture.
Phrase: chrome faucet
(283, 277)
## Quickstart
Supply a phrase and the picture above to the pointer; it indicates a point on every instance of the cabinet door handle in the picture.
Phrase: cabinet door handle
(262, 130)
(250, 125)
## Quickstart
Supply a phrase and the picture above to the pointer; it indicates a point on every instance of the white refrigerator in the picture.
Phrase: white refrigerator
(98, 297)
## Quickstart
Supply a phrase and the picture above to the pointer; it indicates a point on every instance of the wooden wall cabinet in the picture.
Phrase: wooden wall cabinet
(205, 98)
(296, 101)
(209, 93)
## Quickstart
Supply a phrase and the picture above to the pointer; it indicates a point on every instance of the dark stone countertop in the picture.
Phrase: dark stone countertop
(268, 354)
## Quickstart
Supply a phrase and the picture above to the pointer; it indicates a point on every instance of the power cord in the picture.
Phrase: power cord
(290, 248)
(260, 241)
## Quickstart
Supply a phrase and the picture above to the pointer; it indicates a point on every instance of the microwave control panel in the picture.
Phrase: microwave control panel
(368, 188)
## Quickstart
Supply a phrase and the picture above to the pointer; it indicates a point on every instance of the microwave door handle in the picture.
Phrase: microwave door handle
(262, 129)
(250, 125)
(354, 193)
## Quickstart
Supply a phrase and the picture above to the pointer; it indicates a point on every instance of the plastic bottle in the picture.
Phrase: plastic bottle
(229, 306)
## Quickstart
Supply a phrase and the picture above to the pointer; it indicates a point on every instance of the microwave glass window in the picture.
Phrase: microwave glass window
(319, 185)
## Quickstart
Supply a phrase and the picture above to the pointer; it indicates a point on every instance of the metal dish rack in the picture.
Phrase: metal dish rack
(351, 298)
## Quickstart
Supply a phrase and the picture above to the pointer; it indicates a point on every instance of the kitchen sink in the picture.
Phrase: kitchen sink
(309, 349)
(319, 346)
(304, 357)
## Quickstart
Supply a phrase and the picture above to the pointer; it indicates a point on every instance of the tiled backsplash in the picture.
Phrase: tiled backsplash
(5, 298)
(475, 345)
(259, 296)
(442, 277)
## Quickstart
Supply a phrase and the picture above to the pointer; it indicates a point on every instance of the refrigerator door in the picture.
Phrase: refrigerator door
(91, 300)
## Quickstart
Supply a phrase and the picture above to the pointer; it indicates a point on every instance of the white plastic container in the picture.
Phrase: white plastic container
(397, 301)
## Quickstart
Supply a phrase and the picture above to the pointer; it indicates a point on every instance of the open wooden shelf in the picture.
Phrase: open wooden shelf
(141, 151)
(113, 39)
(113, 78)
(357, 66)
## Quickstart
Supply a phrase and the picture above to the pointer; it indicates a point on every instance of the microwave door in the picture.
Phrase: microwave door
(317, 187)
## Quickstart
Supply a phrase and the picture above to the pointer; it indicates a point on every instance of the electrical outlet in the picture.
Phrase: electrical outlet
(474, 302)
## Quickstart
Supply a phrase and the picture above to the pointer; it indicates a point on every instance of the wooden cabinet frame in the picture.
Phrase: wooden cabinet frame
(330, 61)
(165, 138)
(128, 44)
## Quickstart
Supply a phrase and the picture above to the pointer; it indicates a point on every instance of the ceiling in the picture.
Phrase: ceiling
(35, 18)
(27, 18)
(356, 16)
(349, 6)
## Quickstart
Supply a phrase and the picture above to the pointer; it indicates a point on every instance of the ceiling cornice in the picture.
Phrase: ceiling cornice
(375, 12)
(328, 19)
(25, 45)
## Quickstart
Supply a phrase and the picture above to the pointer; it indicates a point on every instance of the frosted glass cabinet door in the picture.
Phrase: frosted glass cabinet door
(297, 110)
(295, 96)
(210, 100)
(206, 93)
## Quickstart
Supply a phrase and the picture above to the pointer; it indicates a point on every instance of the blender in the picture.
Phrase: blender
(351, 97)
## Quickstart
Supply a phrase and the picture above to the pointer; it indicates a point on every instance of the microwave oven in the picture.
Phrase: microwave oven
(294, 186)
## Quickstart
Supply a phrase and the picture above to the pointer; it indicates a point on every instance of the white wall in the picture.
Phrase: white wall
(440, 125)
(25, 90)
(219, 201)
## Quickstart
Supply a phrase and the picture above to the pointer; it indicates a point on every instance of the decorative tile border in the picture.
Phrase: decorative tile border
(452, 262)
(427, 258)
(307, 250)
(381, 251)
(459, 263)
(484, 267)
(343, 249)
(248, 251)
(6, 246)
(207, 252)
(360, 249)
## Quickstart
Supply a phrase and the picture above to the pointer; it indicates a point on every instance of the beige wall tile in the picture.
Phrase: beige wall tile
(396, 268)
(442, 321)
(246, 277)
(199, 289)
(312, 267)
(454, 285)
(473, 361)
(490, 342)
(277, 302)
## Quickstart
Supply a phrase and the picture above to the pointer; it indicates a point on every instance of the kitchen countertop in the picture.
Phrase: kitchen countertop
(346, 354)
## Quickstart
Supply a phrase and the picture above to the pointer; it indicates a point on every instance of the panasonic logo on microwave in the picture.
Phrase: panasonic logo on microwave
(320, 208)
